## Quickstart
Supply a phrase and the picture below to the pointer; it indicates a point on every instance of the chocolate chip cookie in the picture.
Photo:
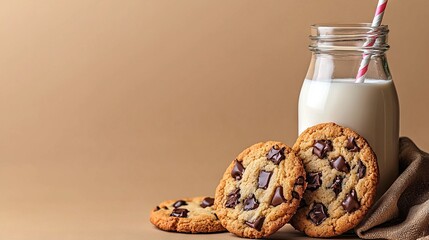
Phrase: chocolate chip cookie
(261, 190)
(189, 215)
(342, 176)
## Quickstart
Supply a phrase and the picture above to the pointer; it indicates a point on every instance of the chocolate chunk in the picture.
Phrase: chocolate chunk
(165, 207)
(299, 181)
(256, 224)
(276, 154)
(361, 169)
(179, 203)
(233, 198)
(351, 203)
(250, 203)
(337, 185)
(302, 203)
(157, 209)
(351, 145)
(321, 147)
(340, 164)
(264, 179)
(278, 197)
(207, 202)
(295, 195)
(179, 212)
(314, 180)
(318, 214)
(237, 170)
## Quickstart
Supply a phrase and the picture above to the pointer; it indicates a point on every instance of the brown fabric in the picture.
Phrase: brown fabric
(403, 211)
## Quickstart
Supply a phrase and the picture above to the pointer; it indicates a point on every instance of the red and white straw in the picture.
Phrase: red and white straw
(376, 22)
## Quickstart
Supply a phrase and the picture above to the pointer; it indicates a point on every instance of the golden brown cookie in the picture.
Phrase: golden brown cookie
(342, 177)
(188, 215)
(261, 190)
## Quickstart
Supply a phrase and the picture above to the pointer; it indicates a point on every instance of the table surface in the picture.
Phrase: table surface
(287, 232)
(108, 220)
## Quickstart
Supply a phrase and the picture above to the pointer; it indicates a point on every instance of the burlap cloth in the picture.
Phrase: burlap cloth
(403, 211)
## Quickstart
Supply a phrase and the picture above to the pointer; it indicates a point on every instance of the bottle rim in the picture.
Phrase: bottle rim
(348, 37)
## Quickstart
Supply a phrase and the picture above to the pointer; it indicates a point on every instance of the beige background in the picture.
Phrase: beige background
(109, 107)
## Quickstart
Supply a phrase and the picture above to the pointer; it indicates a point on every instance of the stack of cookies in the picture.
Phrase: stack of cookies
(323, 186)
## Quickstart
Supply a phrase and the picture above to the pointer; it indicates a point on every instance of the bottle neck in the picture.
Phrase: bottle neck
(337, 51)
(329, 66)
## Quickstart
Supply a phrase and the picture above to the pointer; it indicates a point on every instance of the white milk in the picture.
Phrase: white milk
(370, 108)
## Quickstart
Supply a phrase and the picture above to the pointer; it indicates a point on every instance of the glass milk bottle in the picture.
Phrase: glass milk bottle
(329, 92)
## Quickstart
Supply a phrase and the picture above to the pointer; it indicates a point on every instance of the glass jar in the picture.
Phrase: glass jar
(330, 94)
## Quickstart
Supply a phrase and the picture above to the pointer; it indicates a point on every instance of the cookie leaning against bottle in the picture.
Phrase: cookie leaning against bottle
(342, 177)
(260, 190)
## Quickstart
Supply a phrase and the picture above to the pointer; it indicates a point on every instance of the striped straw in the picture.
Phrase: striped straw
(363, 68)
